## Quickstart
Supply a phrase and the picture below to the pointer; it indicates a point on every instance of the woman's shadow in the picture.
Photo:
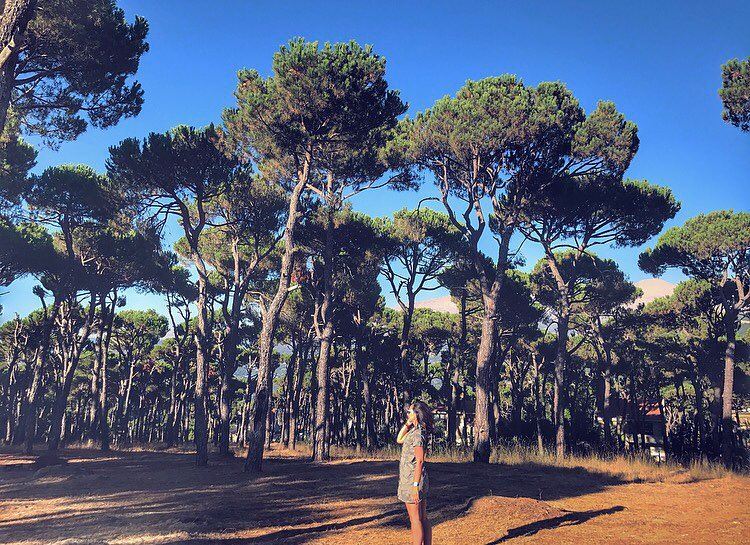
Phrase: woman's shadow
(568, 519)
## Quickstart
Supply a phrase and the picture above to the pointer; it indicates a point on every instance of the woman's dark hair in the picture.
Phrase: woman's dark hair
(424, 415)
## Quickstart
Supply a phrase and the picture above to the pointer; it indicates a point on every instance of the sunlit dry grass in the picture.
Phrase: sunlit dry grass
(626, 468)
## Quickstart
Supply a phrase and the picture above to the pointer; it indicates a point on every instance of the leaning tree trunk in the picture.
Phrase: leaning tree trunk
(202, 337)
(263, 389)
(15, 17)
(727, 425)
(70, 366)
(60, 404)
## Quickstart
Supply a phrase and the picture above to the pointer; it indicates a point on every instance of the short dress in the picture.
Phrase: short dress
(414, 438)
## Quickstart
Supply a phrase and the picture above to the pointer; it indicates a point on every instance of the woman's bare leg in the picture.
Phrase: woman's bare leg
(417, 533)
(426, 526)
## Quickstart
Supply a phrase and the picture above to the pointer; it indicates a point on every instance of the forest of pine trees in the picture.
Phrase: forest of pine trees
(275, 325)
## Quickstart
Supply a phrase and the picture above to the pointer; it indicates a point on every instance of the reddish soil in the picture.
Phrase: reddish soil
(160, 497)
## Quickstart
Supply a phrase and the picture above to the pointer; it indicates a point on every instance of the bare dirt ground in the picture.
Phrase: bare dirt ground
(160, 497)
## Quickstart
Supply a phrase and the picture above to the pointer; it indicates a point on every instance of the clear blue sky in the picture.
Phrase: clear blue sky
(659, 62)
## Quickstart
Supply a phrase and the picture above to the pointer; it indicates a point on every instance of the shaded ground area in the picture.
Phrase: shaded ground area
(160, 497)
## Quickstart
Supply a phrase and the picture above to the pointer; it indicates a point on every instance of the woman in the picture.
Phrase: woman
(412, 480)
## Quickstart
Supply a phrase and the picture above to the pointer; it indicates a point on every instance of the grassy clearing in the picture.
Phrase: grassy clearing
(626, 468)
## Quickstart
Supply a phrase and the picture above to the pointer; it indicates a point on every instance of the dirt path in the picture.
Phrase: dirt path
(159, 497)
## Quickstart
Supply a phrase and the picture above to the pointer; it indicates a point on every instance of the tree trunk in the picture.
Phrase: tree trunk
(124, 409)
(487, 346)
(538, 403)
(264, 385)
(404, 363)
(289, 398)
(202, 340)
(324, 327)
(559, 401)
(96, 370)
(228, 367)
(16, 15)
(269, 422)
(485, 354)
(299, 378)
(727, 425)
(70, 366)
(561, 356)
(699, 416)
(453, 406)
(606, 409)
(455, 375)
(104, 431)
(170, 435)
(58, 409)
(36, 381)
(320, 452)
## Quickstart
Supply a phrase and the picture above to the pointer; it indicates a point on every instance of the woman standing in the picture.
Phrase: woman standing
(413, 483)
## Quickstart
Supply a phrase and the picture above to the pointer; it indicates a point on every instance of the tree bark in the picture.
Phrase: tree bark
(228, 367)
(40, 363)
(96, 370)
(559, 401)
(699, 434)
(104, 431)
(606, 405)
(487, 344)
(256, 437)
(561, 355)
(320, 452)
(61, 398)
(455, 387)
(538, 402)
(727, 424)
(404, 363)
(324, 329)
(16, 15)
(202, 340)
(299, 378)
(289, 398)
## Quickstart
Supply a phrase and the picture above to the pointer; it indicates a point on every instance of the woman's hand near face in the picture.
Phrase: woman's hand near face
(402, 433)
(411, 421)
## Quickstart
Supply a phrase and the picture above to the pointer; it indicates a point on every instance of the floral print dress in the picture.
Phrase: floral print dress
(414, 438)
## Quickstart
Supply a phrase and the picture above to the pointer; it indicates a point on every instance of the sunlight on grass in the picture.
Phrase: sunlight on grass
(625, 468)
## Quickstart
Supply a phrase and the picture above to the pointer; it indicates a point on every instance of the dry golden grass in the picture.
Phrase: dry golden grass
(632, 469)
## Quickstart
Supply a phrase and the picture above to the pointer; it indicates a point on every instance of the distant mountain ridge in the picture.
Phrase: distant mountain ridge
(652, 288)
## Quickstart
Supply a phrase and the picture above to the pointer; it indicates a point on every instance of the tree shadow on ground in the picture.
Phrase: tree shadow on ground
(126, 494)
(569, 519)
